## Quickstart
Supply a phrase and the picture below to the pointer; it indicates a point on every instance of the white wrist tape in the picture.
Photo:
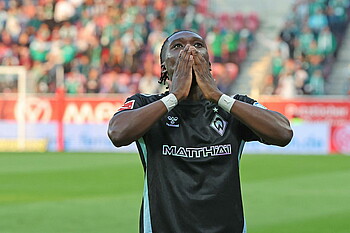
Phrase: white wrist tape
(170, 101)
(226, 102)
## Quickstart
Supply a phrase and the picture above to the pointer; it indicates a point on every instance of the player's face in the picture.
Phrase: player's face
(177, 43)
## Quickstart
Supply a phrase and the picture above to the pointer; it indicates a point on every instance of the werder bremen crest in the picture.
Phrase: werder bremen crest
(219, 124)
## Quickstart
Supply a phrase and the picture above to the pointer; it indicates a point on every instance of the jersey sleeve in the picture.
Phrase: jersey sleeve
(247, 134)
(132, 102)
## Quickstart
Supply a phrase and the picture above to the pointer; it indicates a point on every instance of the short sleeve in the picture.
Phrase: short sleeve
(132, 102)
(247, 134)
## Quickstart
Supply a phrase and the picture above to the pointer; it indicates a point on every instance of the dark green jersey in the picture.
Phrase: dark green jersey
(191, 163)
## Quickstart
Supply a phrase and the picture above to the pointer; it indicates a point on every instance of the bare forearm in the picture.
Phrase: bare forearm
(270, 126)
(128, 126)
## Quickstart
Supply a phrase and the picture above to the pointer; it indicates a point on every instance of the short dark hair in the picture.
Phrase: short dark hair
(164, 76)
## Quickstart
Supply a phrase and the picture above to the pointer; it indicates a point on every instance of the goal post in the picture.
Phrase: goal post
(21, 142)
(21, 73)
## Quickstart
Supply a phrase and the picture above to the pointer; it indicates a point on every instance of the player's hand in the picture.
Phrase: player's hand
(182, 78)
(204, 78)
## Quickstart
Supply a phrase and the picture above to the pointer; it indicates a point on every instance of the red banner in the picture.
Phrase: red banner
(340, 138)
(334, 111)
(75, 109)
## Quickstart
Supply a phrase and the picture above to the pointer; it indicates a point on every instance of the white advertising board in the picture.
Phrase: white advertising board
(309, 138)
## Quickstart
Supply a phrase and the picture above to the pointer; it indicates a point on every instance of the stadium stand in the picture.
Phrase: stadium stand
(113, 46)
(307, 47)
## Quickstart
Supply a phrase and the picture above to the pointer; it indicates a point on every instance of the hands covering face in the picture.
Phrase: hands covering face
(182, 77)
(190, 61)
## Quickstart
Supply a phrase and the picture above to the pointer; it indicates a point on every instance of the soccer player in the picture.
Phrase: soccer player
(190, 141)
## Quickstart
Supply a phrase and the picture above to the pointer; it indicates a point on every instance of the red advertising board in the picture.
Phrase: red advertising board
(312, 109)
(75, 109)
(340, 139)
(100, 109)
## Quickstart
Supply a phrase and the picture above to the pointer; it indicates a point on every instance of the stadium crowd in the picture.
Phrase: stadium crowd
(307, 47)
(112, 46)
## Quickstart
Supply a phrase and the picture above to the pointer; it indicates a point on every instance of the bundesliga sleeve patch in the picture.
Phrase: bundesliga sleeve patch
(127, 105)
(259, 105)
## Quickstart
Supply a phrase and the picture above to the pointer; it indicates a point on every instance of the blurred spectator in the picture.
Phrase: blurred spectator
(301, 76)
(67, 31)
(149, 82)
(305, 38)
(39, 48)
(326, 42)
(74, 82)
(92, 84)
(286, 85)
(231, 40)
(277, 67)
(3, 16)
(12, 23)
(288, 35)
(156, 38)
(252, 22)
(215, 40)
(64, 10)
(227, 73)
(347, 85)
(108, 83)
(318, 21)
(301, 11)
(282, 48)
(68, 51)
(316, 83)
(103, 46)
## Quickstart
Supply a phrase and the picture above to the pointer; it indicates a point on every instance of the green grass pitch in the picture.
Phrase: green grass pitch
(101, 193)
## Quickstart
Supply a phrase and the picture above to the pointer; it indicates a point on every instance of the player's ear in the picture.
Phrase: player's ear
(163, 68)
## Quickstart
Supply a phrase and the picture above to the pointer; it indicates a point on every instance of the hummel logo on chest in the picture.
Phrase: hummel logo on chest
(172, 122)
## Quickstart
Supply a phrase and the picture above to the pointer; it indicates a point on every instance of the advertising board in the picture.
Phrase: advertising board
(75, 109)
(309, 138)
(336, 111)
(325, 124)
